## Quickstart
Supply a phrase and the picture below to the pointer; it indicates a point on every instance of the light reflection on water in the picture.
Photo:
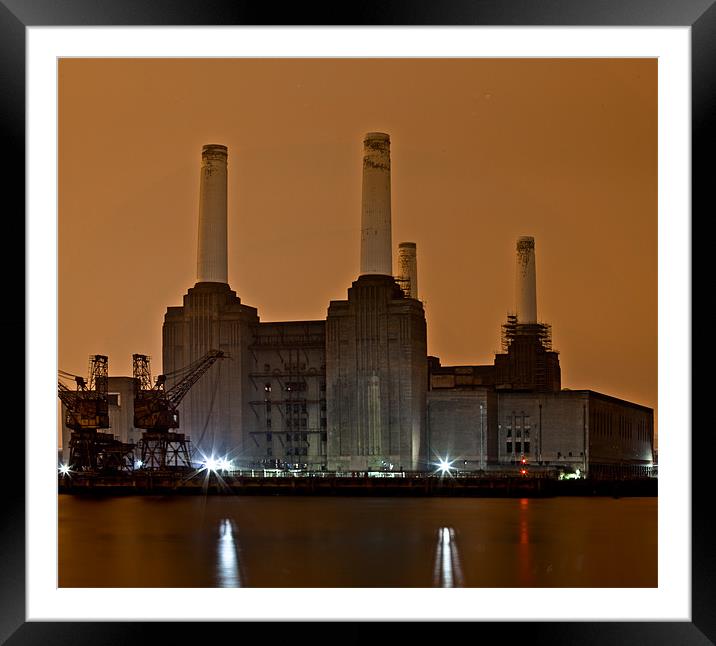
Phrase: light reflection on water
(447, 571)
(227, 564)
(301, 541)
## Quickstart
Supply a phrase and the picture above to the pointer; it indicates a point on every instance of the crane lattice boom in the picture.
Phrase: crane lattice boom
(155, 408)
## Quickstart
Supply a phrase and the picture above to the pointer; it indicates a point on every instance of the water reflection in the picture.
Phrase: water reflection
(524, 551)
(447, 572)
(298, 542)
(227, 563)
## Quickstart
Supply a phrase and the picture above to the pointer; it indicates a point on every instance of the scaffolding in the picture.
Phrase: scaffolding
(291, 439)
(513, 329)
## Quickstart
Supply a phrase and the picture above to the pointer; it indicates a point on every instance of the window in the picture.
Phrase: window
(509, 447)
(268, 422)
(323, 422)
(269, 452)
(269, 437)
(518, 447)
(288, 423)
(304, 437)
(527, 447)
(324, 437)
(113, 399)
(303, 422)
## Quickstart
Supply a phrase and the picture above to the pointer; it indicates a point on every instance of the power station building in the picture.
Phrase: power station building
(358, 390)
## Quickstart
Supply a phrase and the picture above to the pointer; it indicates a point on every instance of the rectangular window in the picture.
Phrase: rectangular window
(323, 422)
(303, 423)
(113, 399)
(268, 423)
(324, 437)
(509, 447)
(518, 447)
(269, 437)
(527, 447)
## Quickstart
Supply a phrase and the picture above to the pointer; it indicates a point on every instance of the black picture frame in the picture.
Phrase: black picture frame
(17, 15)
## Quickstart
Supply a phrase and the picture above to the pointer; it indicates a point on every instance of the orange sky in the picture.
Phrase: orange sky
(483, 151)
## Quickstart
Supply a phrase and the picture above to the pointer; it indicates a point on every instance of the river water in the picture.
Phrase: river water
(272, 541)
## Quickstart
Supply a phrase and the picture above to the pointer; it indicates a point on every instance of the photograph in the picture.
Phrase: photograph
(357, 322)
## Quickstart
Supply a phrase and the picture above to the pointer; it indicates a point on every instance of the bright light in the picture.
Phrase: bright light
(444, 466)
(523, 472)
(64, 469)
(210, 464)
(138, 464)
(217, 464)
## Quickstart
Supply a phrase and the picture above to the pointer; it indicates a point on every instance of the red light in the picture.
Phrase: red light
(524, 461)
(523, 472)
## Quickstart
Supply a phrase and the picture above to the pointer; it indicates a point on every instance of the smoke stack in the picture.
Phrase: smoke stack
(525, 281)
(376, 245)
(211, 264)
(408, 264)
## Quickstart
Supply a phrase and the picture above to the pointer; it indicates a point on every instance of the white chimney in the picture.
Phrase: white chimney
(525, 281)
(408, 265)
(211, 263)
(376, 245)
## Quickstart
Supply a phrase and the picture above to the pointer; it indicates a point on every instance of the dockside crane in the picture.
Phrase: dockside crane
(87, 417)
(156, 411)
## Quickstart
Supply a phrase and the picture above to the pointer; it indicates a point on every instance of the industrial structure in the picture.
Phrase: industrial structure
(131, 406)
(358, 392)
(86, 416)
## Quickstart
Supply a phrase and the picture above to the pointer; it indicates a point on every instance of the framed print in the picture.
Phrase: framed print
(75, 74)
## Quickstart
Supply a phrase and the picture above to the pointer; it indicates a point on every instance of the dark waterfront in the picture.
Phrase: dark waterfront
(271, 541)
